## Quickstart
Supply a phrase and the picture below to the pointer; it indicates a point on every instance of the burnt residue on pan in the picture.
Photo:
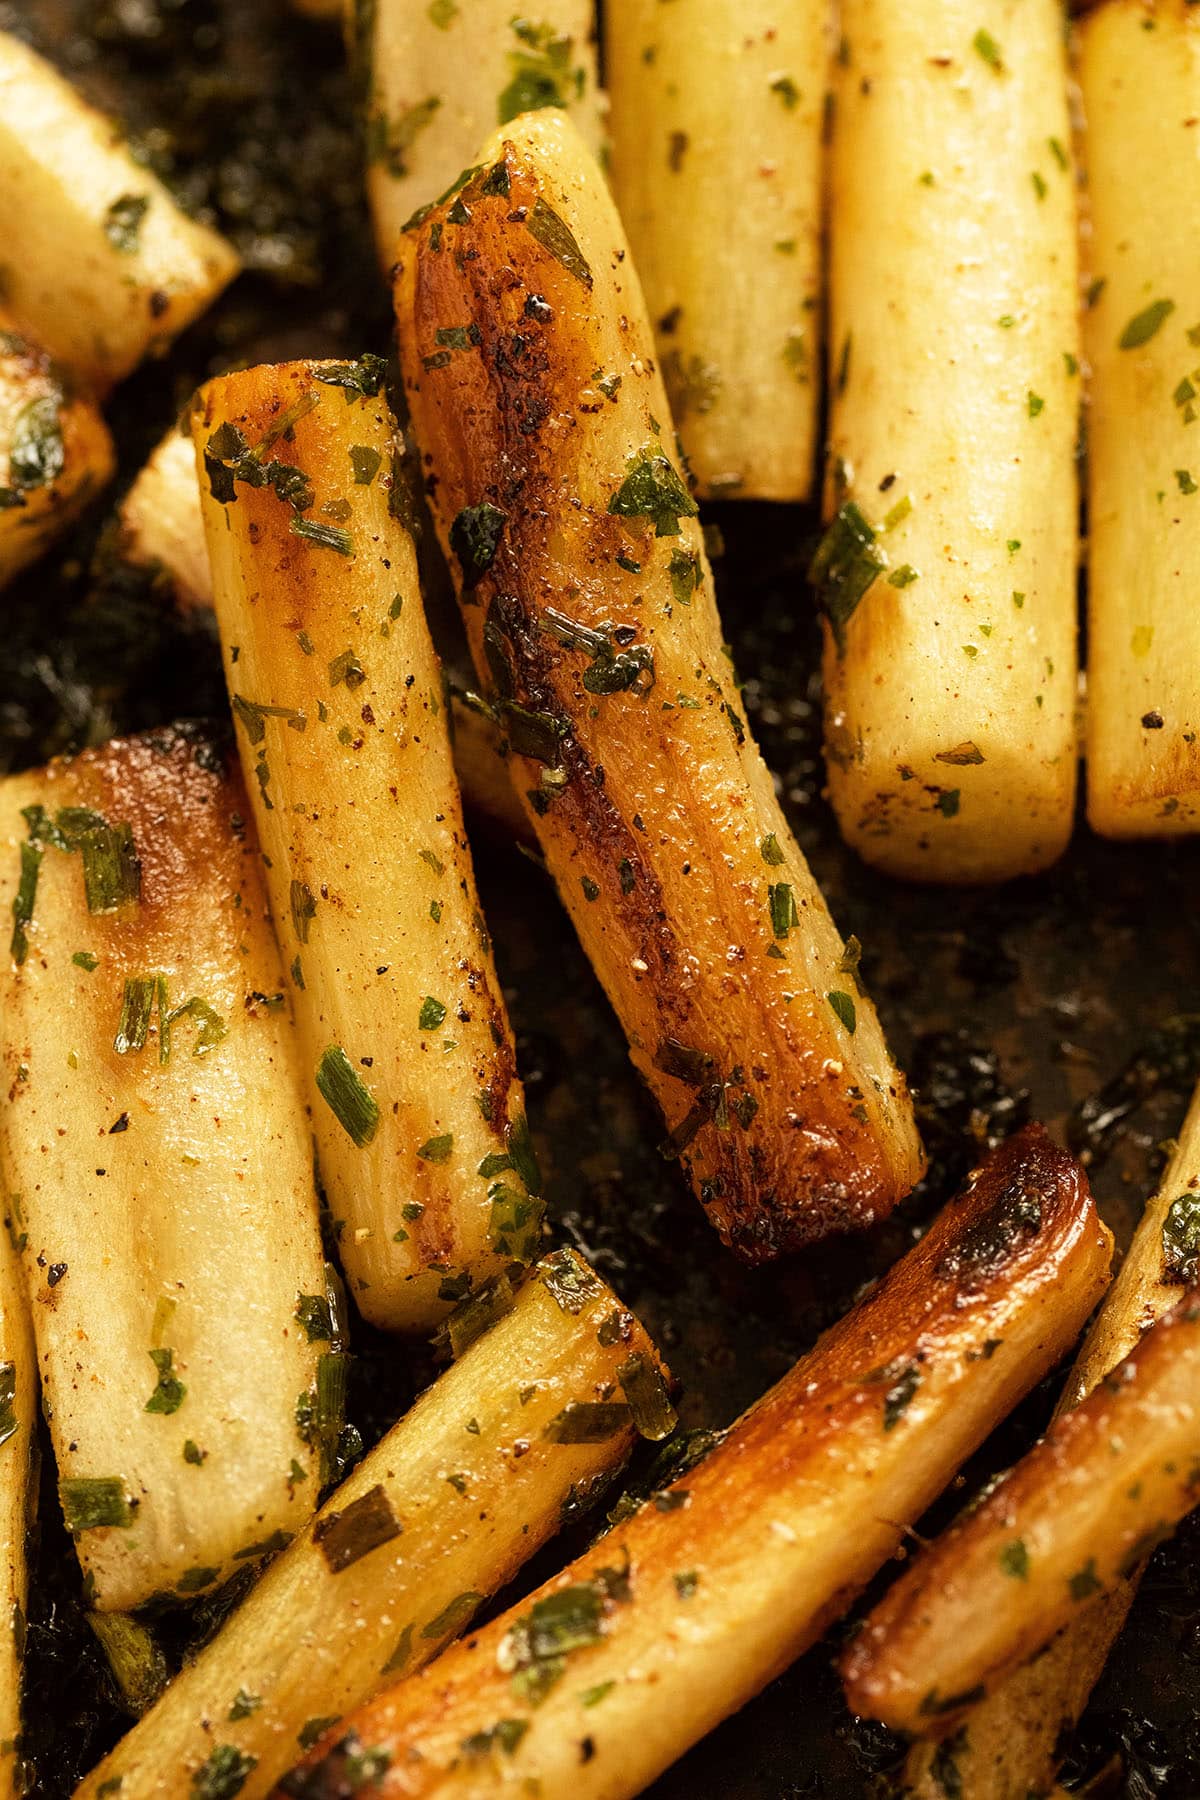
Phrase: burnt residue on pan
(1065, 998)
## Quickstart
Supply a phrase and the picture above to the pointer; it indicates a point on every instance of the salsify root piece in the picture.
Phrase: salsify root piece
(556, 487)
(156, 1163)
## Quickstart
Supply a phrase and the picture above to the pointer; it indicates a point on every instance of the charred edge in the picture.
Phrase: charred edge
(1021, 1188)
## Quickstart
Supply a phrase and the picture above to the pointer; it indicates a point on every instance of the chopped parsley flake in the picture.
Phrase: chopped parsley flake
(1142, 327)
(348, 1098)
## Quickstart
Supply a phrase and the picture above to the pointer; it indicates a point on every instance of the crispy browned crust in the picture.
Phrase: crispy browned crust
(886, 1665)
(641, 833)
(180, 792)
(1024, 1231)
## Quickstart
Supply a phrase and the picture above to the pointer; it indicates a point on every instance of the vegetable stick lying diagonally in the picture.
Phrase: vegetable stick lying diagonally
(417, 1109)
(588, 600)
(55, 451)
(948, 575)
(156, 1167)
(441, 1513)
(674, 1620)
(1140, 90)
(1008, 1745)
(100, 265)
(1076, 1517)
(18, 1390)
(435, 79)
(718, 110)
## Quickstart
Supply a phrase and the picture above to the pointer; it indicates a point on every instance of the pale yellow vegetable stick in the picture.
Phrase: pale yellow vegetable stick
(948, 574)
(341, 720)
(18, 1422)
(55, 451)
(1141, 93)
(718, 109)
(156, 1162)
(442, 1512)
(436, 78)
(599, 1680)
(99, 263)
(589, 607)
(1007, 1747)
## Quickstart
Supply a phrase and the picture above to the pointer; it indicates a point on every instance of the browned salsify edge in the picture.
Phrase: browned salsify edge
(724, 1577)
(1075, 1518)
(1008, 1744)
(587, 596)
(190, 922)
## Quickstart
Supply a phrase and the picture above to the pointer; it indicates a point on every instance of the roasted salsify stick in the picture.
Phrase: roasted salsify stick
(588, 600)
(419, 1115)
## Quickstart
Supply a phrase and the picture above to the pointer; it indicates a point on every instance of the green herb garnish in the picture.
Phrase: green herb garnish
(555, 235)
(346, 1536)
(1181, 1239)
(90, 1503)
(475, 539)
(123, 222)
(588, 1422)
(846, 563)
(331, 537)
(1014, 1560)
(431, 1015)
(652, 489)
(1142, 327)
(36, 452)
(169, 1391)
(843, 1006)
(348, 1098)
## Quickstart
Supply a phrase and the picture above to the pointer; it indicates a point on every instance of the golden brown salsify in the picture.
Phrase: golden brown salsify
(1009, 1743)
(156, 1162)
(588, 600)
(594, 1684)
(1076, 1517)
(340, 709)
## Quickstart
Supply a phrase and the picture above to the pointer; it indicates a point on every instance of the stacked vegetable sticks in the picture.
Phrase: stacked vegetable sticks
(155, 1158)
(607, 1674)
(1008, 1745)
(587, 596)
(418, 1113)
(535, 1413)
